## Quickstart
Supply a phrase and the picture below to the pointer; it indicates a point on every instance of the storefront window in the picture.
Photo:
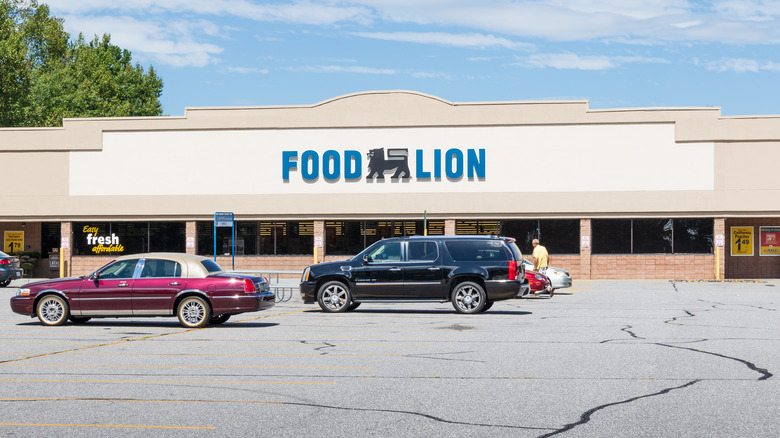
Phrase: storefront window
(351, 237)
(652, 236)
(118, 238)
(559, 236)
(258, 238)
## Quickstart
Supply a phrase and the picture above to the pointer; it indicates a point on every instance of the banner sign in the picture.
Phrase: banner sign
(770, 241)
(741, 241)
(14, 241)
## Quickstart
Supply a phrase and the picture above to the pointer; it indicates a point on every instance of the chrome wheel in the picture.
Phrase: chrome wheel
(194, 312)
(52, 310)
(468, 297)
(334, 297)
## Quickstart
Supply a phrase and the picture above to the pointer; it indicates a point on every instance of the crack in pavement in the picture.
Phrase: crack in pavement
(587, 415)
(428, 356)
(763, 371)
(624, 329)
(742, 305)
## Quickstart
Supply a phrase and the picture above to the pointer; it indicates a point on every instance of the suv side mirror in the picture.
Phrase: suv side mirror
(367, 259)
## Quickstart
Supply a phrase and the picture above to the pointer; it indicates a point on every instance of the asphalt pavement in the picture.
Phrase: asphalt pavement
(601, 359)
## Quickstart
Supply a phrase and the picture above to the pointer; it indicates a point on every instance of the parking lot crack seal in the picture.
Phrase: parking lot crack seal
(587, 415)
(764, 373)
(624, 329)
(431, 356)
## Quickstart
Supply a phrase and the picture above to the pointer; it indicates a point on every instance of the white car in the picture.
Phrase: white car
(559, 278)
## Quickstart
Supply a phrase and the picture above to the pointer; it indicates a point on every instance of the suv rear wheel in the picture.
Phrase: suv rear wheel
(468, 297)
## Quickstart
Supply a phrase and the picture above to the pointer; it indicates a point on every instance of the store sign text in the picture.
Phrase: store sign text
(101, 244)
(333, 165)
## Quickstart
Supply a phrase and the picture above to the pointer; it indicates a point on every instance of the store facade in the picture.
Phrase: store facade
(678, 193)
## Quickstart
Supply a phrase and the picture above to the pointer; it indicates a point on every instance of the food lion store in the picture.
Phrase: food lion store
(663, 193)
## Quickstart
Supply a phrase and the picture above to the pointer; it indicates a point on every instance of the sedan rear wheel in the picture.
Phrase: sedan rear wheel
(334, 296)
(468, 297)
(52, 310)
(193, 312)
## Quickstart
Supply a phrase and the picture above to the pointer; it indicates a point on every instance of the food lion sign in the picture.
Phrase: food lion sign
(399, 163)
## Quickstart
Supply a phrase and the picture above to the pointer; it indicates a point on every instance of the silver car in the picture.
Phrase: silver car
(9, 269)
(559, 278)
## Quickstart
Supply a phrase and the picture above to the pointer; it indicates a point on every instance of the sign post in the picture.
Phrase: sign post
(225, 219)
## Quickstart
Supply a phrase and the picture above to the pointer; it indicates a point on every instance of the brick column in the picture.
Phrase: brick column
(191, 235)
(319, 231)
(720, 228)
(585, 252)
(449, 227)
(66, 232)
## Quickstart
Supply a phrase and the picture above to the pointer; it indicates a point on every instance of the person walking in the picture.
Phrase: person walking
(541, 259)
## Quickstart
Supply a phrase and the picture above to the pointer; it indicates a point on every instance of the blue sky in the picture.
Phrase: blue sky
(612, 53)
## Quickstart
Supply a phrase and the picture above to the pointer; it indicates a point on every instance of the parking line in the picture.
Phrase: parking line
(131, 426)
(149, 400)
(27, 365)
(242, 382)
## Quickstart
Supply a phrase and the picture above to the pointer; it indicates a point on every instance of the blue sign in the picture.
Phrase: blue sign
(223, 219)
(452, 164)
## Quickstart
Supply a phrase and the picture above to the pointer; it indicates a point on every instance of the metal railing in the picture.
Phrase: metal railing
(283, 290)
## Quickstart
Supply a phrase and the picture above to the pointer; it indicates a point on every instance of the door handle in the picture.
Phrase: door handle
(122, 285)
(395, 269)
(433, 268)
(174, 283)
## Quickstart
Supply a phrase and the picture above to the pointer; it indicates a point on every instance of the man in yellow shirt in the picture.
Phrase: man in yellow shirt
(541, 258)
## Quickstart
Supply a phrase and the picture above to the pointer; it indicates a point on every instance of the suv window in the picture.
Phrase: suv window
(475, 250)
(423, 251)
(386, 252)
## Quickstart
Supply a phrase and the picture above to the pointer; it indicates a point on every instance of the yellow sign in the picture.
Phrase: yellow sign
(14, 241)
(741, 241)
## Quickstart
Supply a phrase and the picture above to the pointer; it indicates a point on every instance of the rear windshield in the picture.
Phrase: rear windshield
(211, 266)
(478, 250)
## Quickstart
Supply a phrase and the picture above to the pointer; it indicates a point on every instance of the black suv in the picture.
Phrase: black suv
(470, 271)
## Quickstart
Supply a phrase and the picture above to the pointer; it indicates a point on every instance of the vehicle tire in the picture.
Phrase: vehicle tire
(219, 319)
(334, 296)
(488, 305)
(353, 306)
(79, 319)
(193, 312)
(52, 310)
(468, 297)
(5, 283)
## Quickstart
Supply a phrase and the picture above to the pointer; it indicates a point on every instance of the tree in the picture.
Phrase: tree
(44, 77)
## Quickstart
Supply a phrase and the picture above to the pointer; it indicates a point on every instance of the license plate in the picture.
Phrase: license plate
(18, 274)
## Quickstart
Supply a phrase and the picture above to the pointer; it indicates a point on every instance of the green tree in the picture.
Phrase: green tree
(44, 77)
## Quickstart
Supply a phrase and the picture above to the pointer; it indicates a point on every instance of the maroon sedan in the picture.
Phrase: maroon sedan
(194, 288)
(538, 281)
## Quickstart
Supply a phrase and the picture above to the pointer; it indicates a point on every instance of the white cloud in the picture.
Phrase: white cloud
(471, 40)
(170, 44)
(247, 70)
(572, 61)
(740, 65)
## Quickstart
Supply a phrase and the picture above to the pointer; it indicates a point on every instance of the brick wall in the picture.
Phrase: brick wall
(676, 267)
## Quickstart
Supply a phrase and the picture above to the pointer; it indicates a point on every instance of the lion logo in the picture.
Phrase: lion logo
(397, 159)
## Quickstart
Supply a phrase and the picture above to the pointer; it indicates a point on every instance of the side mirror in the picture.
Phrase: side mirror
(366, 259)
(95, 276)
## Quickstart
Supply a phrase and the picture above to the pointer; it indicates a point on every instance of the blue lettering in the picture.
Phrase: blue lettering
(476, 164)
(437, 163)
(353, 164)
(454, 163)
(310, 167)
(331, 165)
(289, 161)
(419, 166)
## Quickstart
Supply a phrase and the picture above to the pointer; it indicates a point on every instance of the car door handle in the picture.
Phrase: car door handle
(433, 268)
(174, 283)
(395, 269)
(122, 285)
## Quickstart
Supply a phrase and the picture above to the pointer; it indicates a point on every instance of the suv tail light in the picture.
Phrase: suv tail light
(249, 286)
(513, 270)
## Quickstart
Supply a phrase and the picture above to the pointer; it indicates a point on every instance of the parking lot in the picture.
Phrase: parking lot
(603, 358)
